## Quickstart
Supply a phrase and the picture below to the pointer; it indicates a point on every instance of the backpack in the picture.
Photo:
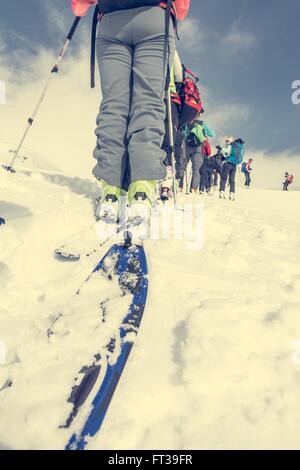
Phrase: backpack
(108, 6)
(238, 151)
(190, 99)
(193, 140)
(244, 169)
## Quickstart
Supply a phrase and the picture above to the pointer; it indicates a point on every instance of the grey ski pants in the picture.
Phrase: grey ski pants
(130, 123)
(195, 154)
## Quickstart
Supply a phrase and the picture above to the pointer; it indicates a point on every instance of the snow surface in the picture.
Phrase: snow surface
(28, 159)
(216, 364)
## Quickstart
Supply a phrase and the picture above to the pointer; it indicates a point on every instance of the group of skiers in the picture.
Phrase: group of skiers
(149, 126)
(207, 169)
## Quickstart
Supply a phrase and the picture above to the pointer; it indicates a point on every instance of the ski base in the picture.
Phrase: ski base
(104, 374)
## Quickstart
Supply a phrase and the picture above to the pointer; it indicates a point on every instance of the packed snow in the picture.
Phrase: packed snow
(216, 364)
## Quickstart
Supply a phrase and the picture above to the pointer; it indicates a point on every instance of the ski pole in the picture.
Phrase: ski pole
(171, 146)
(186, 183)
(54, 70)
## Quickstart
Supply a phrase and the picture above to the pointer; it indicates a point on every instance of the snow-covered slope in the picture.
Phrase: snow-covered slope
(28, 159)
(216, 363)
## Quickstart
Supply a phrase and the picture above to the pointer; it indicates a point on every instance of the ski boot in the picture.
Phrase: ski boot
(141, 199)
(222, 195)
(108, 209)
(165, 194)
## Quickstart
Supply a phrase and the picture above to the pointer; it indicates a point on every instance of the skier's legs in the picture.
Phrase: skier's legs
(224, 176)
(188, 152)
(232, 173)
(216, 178)
(115, 59)
(184, 162)
(209, 180)
(203, 178)
(179, 155)
(146, 127)
(197, 161)
(166, 143)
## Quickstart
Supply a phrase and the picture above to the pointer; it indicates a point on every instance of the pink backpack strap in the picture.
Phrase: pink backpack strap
(182, 8)
(80, 7)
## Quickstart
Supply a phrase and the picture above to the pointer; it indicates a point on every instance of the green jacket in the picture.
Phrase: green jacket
(198, 130)
(202, 131)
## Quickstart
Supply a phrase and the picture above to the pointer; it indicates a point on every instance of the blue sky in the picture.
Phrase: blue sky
(245, 51)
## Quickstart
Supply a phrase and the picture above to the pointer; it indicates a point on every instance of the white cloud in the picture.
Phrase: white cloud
(63, 130)
(191, 34)
(226, 116)
(237, 40)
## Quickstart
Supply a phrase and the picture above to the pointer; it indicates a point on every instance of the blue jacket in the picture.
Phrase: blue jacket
(209, 132)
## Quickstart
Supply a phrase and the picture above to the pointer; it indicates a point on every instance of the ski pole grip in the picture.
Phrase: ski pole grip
(73, 29)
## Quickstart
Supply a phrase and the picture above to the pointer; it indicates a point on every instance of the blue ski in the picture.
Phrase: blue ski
(131, 270)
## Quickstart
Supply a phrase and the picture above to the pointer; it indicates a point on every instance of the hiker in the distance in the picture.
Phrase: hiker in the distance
(247, 170)
(206, 170)
(135, 42)
(218, 166)
(234, 154)
(196, 149)
(289, 179)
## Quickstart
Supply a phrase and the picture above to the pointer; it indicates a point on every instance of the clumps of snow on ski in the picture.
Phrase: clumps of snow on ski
(216, 364)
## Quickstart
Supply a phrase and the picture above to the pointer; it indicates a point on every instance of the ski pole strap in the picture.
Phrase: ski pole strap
(55, 69)
(73, 29)
(93, 45)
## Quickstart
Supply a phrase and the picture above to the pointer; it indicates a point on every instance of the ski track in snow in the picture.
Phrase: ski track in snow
(212, 367)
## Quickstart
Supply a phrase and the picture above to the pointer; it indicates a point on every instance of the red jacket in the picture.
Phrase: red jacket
(206, 148)
(80, 7)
